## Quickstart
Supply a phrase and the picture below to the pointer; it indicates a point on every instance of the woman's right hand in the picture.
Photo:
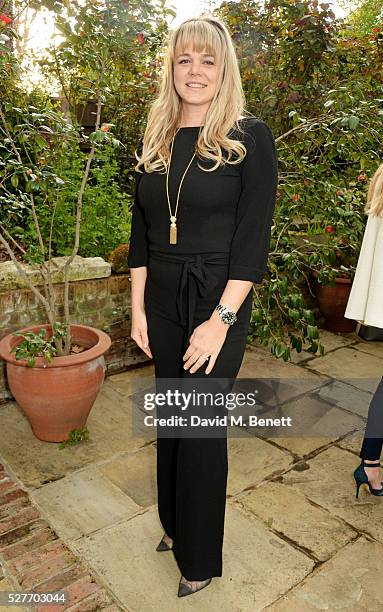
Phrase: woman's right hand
(139, 331)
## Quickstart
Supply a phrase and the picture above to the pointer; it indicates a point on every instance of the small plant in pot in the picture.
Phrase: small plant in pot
(335, 267)
(54, 370)
(334, 222)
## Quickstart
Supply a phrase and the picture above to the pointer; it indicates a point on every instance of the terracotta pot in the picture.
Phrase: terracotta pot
(332, 303)
(57, 397)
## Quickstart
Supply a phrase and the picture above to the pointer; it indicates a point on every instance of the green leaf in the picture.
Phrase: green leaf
(353, 122)
(312, 332)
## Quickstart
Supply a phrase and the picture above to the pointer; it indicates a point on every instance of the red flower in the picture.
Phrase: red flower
(105, 127)
(339, 192)
(140, 37)
(296, 197)
(5, 19)
(329, 229)
(361, 178)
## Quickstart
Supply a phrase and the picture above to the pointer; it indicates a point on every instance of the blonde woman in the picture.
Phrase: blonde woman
(205, 195)
(365, 305)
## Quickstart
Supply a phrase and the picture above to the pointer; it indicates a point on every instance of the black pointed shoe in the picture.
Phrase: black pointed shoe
(184, 589)
(361, 478)
(162, 546)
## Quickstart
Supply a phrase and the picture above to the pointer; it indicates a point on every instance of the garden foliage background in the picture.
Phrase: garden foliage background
(316, 80)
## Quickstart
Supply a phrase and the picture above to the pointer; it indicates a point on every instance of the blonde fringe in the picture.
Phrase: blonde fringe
(226, 108)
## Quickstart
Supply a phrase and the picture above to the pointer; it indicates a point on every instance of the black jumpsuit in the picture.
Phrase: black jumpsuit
(223, 224)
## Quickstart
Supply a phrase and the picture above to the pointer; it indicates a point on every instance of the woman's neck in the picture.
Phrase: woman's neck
(196, 122)
(192, 117)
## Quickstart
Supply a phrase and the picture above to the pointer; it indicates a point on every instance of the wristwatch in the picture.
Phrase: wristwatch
(228, 316)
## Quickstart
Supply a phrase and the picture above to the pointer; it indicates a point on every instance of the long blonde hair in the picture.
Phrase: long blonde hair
(228, 104)
(374, 204)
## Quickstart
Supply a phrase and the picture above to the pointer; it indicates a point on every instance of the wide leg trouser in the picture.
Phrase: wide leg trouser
(191, 472)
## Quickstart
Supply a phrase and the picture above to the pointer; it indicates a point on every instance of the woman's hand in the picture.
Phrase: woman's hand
(139, 331)
(206, 339)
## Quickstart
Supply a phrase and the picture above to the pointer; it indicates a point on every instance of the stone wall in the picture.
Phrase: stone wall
(103, 303)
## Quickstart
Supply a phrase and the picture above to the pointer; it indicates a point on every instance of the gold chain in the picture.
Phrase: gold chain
(173, 218)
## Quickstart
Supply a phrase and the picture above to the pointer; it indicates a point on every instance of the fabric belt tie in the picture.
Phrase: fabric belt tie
(196, 276)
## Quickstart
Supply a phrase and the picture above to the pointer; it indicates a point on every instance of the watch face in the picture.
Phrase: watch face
(226, 315)
(228, 318)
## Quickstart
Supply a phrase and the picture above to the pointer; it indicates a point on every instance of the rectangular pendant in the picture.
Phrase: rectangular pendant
(173, 234)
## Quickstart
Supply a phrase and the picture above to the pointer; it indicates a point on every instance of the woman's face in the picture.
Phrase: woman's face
(195, 77)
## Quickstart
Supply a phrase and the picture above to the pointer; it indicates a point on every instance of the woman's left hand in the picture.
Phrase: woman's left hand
(206, 339)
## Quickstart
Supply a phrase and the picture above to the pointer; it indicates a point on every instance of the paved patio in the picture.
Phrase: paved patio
(296, 539)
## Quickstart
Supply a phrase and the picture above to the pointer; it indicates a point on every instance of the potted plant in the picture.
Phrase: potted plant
(334, 276)
(54, 370)
(55, 390)
(328, 246)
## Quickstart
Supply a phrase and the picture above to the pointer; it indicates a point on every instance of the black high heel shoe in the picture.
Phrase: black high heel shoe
(184, 589)
(162, 546)
(362, 478)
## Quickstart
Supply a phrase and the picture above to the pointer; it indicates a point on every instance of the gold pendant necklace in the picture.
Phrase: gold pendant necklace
(173, 218)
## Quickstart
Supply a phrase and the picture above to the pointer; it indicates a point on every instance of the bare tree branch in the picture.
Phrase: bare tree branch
(78, 223)
(31, 286)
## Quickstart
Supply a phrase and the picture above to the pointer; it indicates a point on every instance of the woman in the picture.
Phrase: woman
(205, 195)
(365, 304)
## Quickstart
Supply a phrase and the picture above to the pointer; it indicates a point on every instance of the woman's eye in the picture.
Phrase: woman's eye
(206, 61)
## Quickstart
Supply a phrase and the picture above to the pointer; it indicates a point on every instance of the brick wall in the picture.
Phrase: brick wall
(103, 303)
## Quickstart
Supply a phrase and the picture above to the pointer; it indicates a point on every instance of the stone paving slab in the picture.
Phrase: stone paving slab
(141, 578)
(91, 502)
(320, 423)
(329, 482)
(277, 381)
(353, 443)
(349, 581)
(331, 341)
(364, 369)
(374, 348)
(127, 383)
(251, 460)
(109, 425)
(344, 395)
(124, 556)
(262, 364)
(320, 534)
(135, 474)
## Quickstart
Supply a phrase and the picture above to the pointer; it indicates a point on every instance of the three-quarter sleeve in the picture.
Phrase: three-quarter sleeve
(250, 245)
(138, 245)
